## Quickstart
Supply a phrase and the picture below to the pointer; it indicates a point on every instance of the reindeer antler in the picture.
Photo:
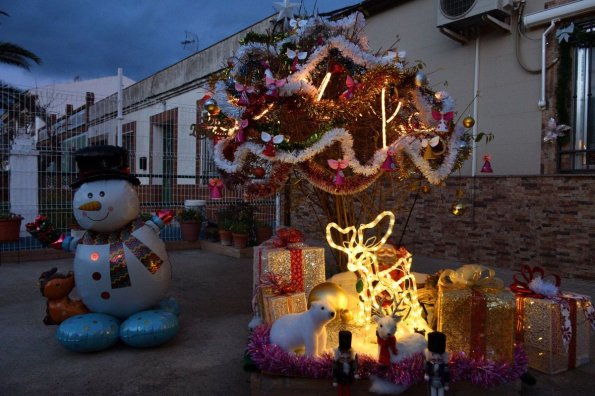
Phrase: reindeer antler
(396, 309)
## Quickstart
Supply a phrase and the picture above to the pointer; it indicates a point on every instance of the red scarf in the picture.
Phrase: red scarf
(387, 346)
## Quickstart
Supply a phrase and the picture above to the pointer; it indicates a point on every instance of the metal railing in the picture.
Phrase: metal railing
(576, 161)
(37, 144)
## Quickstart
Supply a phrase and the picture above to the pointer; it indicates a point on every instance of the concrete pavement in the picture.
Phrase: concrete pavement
(204, 359)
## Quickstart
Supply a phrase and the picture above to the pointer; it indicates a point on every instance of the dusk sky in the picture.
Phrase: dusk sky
(91, 39)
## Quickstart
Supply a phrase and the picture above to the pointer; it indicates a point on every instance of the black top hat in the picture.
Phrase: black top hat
(102, 163)
(436, 342)
(344, 340)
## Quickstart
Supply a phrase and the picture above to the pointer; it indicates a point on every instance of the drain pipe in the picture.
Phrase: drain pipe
(475, 109)
(542, 101)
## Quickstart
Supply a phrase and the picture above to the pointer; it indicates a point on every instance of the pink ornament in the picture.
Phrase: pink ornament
(339, 165)
(443, 120)
(240, 137)
(388, 164)
(271, 83)
(244, 91)
(352, 85)
(487, 167)
(215, 186)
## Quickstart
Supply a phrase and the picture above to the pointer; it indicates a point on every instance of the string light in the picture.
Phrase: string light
(264, 112)
(386, 121)
(377, 283)
(323, 85)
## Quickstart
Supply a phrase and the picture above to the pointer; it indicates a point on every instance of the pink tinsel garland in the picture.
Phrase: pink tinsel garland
(272, 359)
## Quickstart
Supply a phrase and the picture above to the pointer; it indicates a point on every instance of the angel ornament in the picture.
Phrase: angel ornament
(272, 84)
(296, 57)
(271, 141)
(338, 166)
(432, 147)
(445, 115)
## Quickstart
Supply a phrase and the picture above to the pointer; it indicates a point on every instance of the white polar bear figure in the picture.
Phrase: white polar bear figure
(307, 329)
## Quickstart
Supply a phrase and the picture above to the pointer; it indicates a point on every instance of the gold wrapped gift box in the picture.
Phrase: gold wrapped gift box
(308, 260)
(276, 306)
(539, 321)
(476, 313)
(459, 312)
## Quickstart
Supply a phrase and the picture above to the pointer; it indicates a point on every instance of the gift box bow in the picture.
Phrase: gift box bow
(471, 276)
(276, 284)
(530, 280)
(290, 235)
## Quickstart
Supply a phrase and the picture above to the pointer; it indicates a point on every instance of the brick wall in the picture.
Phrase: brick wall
(536, 220)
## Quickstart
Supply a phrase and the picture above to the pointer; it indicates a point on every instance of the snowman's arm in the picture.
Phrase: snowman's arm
(68, 244)
(160, 220)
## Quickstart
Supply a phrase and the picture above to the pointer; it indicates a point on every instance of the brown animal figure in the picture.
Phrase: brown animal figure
(56, 287)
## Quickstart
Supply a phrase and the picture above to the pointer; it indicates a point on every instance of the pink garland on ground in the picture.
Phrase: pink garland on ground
(487, 373)
(272, 359)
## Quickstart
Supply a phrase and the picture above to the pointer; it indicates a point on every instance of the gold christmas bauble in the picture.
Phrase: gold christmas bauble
(458, 208)
(335, 295)
(468, 122)
(331, 292)
(211, 106)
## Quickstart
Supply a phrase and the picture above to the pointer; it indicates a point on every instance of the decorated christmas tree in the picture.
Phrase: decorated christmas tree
(311, 99)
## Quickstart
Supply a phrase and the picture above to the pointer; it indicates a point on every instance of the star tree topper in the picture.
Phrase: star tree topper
(285, 10)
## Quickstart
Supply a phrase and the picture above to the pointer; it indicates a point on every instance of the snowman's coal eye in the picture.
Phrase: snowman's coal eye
(90, 195)
(322, 308)
(101, 193)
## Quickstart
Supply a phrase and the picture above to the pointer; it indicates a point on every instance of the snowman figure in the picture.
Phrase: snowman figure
(121, 266)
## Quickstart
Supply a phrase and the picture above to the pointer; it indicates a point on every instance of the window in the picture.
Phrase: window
(579, 153)
(584, 114)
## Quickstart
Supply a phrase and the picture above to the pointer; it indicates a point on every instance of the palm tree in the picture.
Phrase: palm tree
(12, 54)
(15, 104)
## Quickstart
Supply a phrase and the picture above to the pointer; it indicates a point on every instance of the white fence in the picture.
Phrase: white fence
(41, 129)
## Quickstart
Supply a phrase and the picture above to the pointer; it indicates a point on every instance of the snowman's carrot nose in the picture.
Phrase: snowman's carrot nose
(91, 206)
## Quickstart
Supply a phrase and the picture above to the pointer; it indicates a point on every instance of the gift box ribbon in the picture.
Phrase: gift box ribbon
(479, 280)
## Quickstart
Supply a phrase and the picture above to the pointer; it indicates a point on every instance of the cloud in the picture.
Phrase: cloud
(92, 39)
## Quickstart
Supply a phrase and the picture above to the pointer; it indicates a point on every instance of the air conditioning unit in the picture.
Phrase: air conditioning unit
(461, 15)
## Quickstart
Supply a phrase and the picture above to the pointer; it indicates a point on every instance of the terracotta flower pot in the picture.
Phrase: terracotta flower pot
(9, 229)
(240, 241)
(190, 230)
(225, 237)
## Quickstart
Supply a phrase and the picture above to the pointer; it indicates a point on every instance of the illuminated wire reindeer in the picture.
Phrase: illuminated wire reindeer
(377, 282)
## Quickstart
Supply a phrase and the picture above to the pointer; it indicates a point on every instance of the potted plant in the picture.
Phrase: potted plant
(224, 222)
(190, 221)
(263, 231)
(10, 226)
(240, 233)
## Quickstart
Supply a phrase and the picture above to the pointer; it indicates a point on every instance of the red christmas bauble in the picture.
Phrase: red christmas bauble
(258, 172)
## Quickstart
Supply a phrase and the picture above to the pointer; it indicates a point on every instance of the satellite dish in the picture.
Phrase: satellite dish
(190, 42)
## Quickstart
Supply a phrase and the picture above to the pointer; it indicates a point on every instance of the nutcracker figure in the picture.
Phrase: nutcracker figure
(436, 374)
(345, 365)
